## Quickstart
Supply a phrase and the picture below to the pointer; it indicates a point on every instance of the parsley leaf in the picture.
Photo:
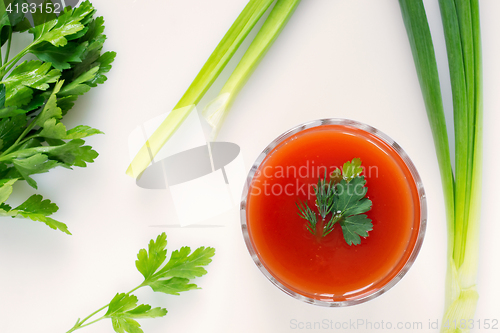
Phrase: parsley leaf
(56, 130)
(50, 109)
(35, 208)
(350, 202)
(148, 261)
(59, 57)
(66, 103)
(188, 265)
(68, 23)
(72, 153)
(38, 163)
(28, 76)
(351, 169)
(343, 198)
(172, 286)
(354, 226)
(6, 189)
(123, 309)
(349, 195)
(78, 86)
(10, 129)
(182, 266)
(9, 19)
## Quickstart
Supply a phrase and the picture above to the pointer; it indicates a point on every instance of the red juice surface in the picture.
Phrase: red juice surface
(328, 268)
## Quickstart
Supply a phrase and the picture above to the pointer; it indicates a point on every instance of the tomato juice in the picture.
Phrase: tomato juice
(327, 268)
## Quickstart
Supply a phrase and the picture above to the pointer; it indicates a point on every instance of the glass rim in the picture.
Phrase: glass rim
(420, 193)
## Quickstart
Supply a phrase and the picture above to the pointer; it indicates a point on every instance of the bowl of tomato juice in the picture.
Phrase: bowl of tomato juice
(326, 270)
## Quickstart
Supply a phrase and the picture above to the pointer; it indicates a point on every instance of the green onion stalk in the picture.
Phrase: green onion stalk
(219, 58)
(462, 190)
(216, 111)
(245, 22)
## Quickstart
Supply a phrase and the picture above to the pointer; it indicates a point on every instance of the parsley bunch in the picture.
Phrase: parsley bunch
(36, 94)
(343, 198)
(172, 278)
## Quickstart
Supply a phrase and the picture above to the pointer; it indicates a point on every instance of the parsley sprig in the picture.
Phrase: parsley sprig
(343, 198)
(172, 278)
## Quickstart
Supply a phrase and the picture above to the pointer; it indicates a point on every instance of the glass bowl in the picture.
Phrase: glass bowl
(327, 271)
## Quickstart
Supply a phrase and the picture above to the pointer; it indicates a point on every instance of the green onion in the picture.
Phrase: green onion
(463, 194)
(203, 81)
(217, 110)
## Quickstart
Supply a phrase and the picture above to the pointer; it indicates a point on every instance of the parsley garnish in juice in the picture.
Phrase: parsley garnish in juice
(341, 199)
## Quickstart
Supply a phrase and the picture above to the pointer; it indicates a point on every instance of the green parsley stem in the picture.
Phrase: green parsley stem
(92, 314)
(78, 326)
(18, 141)
(329, 226)
(7, 52)
(79, 323)
(9, 65)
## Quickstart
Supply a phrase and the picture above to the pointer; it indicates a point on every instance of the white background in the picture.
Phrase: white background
(335, 58)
